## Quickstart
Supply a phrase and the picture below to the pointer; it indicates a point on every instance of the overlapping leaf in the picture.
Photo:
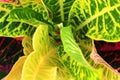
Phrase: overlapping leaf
(27, 45)
(10, 28)
(15, 73)
(74, 59)
(71, 47)
(30, 15)
(99, 16)
(59, 9)
(42, 63)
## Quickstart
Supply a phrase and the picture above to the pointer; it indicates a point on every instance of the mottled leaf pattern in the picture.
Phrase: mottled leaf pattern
(71, 47)
(89, 20)
(59, 9)
(101, 17)
(74, 58)
(30, 15)
(10, 28)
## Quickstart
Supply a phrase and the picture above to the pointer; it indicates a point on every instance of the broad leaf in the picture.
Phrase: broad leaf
(59, 9)
(41, 64)
(30, 15)
(99, 17)
(77, 70)
(10, 28)
(74, 59)
(71, 47)
(15, 73)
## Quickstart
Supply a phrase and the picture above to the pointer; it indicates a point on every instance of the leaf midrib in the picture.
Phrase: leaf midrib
(105, 10)
(61, 9)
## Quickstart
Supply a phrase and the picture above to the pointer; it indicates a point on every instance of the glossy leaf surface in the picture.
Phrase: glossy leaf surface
(59, 9)
(99, 16)
(11, 28)
(30, 15)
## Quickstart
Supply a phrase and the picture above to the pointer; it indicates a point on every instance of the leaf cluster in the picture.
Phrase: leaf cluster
(59, 37)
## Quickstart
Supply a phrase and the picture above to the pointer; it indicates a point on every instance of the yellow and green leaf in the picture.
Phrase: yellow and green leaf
(12, 28)
(59, 9)
(100, 17)
(42, 63)
(74, 60)
(30, 15)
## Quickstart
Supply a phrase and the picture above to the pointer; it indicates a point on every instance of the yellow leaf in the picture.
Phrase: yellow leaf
(15, 73)
(41, 64)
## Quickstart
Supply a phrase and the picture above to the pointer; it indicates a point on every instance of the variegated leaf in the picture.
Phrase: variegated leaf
(100, 17)
(59, 9)
(71, 47)
(30, 13)
(74, 59)
(11, 28)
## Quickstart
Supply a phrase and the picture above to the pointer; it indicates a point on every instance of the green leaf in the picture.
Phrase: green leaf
(41, 64)
(74, 59)
(15, 73)
(71, 47)
(29, 15)
(77, 70)
(99, 17)
(59, 9)
(11, 28)
(25, 15)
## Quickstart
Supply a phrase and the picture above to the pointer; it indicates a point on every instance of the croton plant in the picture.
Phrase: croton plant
(60, 39)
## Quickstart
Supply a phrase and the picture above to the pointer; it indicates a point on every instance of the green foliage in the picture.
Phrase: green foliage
(59, 9)
(74, 58)
(99, 17)
(59, 34)
(12, 28)
(30, 15)
(71, 47)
